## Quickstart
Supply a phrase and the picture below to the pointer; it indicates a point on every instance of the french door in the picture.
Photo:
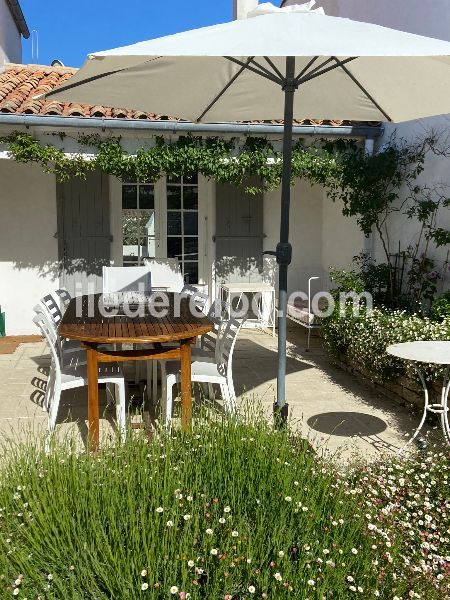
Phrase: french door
(161, 220)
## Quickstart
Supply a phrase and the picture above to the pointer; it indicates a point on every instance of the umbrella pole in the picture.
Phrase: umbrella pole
(284, 248)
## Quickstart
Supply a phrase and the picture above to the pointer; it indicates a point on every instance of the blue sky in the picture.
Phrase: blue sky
(70, 30)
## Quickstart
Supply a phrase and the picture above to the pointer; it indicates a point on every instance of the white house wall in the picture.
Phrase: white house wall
(342, 239)
(10, 41)
(28, 246)
(436, 172)
(424, 17)
(321, 236)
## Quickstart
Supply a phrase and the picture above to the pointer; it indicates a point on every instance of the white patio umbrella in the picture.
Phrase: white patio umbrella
(342, 69)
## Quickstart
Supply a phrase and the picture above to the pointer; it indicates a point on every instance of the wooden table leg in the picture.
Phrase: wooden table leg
(186, 397)
(93, 410)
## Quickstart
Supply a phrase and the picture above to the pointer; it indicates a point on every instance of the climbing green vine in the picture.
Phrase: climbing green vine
(370, 187)
(222, 160)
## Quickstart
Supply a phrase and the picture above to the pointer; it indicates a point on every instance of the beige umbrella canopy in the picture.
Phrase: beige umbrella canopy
(327, 67)
(388, 74)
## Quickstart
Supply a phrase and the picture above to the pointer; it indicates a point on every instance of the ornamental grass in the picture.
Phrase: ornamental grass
(232, 510)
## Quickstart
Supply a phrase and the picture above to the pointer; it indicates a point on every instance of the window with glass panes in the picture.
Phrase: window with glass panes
(182, 224)
(138, 222)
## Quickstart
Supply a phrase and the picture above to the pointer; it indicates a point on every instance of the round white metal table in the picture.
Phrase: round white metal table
(428, 352)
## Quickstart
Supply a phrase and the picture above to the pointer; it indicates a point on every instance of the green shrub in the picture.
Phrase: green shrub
(232, 510)
(364, 339)
(440, 309)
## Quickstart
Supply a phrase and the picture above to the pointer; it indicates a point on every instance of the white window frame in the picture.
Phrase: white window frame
(206, 211)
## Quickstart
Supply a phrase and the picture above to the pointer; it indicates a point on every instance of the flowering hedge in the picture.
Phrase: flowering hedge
(364, 339)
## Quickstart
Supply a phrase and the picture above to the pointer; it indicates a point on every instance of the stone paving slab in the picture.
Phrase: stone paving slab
(329, 405)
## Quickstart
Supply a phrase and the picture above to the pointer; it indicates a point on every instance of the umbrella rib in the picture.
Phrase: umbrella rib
(303, 71)
(315, 73)
(254, 70)
(223, 90)
(363, 89)
(274, 67)
(264, 70)
(70, 86)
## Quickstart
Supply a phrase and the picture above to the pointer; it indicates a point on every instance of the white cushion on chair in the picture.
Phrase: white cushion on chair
(299, 310)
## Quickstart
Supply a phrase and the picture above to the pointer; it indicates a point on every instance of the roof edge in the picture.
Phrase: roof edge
(183, 127)
(45, 68)
(19, 17)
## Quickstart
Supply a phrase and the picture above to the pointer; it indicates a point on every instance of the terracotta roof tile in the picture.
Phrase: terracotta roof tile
(53, 108)
(20, 84)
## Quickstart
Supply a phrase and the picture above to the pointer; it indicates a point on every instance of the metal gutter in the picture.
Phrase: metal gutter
(19, 17)
(135, 125)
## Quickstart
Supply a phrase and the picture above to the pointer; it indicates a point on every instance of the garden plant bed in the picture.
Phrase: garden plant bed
(232, 510)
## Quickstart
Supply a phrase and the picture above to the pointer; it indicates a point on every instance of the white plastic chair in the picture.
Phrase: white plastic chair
(205, 349)
(126, 279)
(49, 307)
(205, 370)
(65, 297)
(71, 355)
(200, 299)
(166, 274)
(70, 377)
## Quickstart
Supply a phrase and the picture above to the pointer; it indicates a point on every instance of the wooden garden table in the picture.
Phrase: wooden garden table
(85, 321)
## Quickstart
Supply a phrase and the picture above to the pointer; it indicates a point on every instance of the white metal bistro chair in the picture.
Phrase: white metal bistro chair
(166, 274)
(205, 370)
(70, 377)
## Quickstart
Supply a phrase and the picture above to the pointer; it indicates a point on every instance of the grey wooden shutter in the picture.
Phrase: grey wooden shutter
(84, 232)
(239, 234)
